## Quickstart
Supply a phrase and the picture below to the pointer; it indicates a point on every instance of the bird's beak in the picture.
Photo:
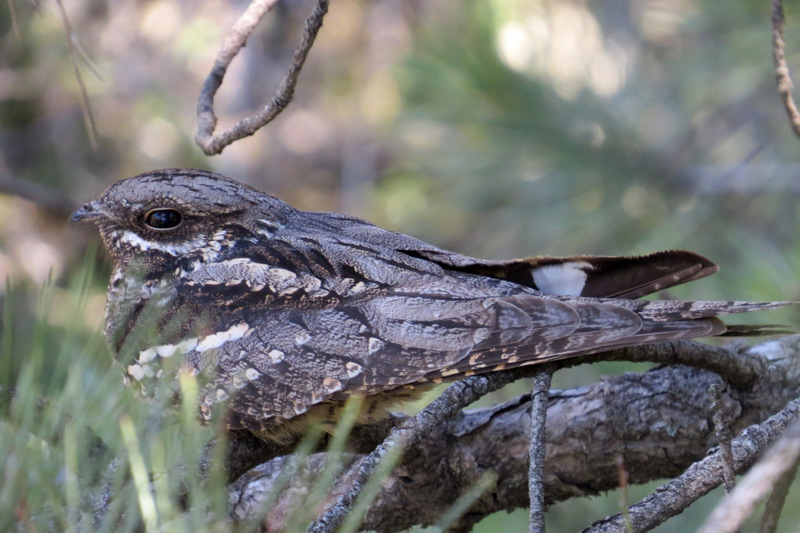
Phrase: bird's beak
(88, 213)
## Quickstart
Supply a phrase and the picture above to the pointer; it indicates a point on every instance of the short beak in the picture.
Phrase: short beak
(88, 212)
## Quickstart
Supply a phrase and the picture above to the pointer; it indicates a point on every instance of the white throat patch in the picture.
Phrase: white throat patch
(175, 250)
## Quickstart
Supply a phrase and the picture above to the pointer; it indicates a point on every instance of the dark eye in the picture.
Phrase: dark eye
(163, 219)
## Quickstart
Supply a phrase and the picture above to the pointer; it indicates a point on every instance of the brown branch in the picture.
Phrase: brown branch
(782, 76)
(739, 368)
(235, 40)
(659, 422)
(452, 400)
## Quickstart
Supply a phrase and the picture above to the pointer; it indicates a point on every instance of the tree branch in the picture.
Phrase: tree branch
(235, 40)
(782, 76)
(779, 459)
(777, 498)
(537, 448)
(722, 430)
(699, 479)
(743, 368)
(739, 368)
(659, 422)
(452, 400)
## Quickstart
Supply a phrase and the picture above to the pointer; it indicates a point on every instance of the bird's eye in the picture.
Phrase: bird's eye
(163, 219)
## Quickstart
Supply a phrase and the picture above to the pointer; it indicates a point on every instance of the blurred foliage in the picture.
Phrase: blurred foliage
(497, 128)
(72, 435)
(75, 442)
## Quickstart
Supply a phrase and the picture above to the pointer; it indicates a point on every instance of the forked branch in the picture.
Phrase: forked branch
(235, 40)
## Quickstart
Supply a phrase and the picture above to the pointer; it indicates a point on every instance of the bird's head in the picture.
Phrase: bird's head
(166, 215)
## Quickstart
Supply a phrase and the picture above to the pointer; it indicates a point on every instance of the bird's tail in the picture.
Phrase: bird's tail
(635, 322)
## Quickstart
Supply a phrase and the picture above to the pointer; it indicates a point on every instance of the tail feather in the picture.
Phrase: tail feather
(608, 324)
(662, 310)
(755, 330)
(508, 358)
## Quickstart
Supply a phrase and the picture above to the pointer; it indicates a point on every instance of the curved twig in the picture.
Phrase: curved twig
(740, 369)
(782, 76)
(235, 40)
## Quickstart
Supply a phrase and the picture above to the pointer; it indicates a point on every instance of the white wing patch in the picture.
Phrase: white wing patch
(566, 279)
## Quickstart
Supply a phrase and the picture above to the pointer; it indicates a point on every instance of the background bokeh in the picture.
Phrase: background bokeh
(497, 128)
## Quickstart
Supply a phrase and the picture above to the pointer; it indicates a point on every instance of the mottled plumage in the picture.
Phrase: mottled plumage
(289, 313)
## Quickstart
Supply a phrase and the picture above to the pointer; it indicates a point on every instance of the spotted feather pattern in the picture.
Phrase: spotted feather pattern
(287, 314)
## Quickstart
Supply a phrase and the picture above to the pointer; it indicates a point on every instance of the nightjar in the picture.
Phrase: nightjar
(287, 314)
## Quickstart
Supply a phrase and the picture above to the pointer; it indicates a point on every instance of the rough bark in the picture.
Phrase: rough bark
(659, 421)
